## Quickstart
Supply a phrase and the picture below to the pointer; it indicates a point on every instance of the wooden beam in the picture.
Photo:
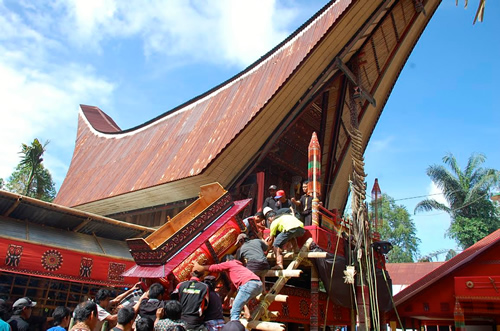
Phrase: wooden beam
(353, 79)
(81, 225)
(334, 138)
(13, 207)
(366, 29)
(99, 243)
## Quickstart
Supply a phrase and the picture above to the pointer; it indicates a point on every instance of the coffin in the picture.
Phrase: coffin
(204, 231)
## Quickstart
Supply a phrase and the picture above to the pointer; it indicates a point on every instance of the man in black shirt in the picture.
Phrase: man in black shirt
(284, 205)
(305, 205)
(252, 252)
(214, 317)
(270, 201)
(21, 312)
(193, 296)
(148, 307)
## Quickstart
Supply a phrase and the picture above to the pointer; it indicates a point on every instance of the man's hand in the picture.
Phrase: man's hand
(198, 267)
(159, 313)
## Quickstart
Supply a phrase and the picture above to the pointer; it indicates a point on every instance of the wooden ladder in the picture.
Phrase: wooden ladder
(261, 316)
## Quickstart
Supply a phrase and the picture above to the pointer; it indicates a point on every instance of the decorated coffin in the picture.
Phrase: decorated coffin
(204, 231)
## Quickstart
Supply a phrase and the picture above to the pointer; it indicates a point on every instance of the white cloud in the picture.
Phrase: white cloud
(43, 105)
(44, 49)
(217, 31)
(381, 145)
(40, 97)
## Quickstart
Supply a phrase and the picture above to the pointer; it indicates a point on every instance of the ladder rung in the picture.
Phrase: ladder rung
(260, 325)
(284, 273)
(273, 297)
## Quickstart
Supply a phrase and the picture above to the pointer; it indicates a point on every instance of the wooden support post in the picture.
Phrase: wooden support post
(314, 300)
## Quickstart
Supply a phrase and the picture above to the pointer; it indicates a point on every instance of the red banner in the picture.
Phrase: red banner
(58, 263)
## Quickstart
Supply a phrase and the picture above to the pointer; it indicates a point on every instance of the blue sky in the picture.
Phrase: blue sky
(138, 59)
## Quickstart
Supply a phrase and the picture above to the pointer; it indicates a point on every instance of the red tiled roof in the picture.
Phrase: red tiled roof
(448, 267)
(181, 143)
(408, 273)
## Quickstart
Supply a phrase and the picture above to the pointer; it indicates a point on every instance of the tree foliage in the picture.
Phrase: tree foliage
(434, 256)
(397, 228)
(30, 177)
(473, 214)
(31, 159)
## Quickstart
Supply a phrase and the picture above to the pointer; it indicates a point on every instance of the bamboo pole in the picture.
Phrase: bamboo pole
(260, 325)
(274, 297)
(284, 273)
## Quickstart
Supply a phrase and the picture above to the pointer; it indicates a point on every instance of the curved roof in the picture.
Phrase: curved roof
(219, 135)
(181, 143)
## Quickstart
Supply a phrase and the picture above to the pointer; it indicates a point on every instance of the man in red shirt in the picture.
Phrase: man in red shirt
(246, 282)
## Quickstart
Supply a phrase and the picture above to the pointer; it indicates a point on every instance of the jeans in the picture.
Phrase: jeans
(247, 291)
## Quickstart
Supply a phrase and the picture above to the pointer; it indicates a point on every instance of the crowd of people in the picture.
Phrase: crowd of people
(194, 304)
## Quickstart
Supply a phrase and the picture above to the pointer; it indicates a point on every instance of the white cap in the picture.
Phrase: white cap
(267, 210)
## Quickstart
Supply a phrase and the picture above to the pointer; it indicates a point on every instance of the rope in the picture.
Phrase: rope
(362, 291)
(331, 281)
(392, 300)
(370, 284)
(374, 292)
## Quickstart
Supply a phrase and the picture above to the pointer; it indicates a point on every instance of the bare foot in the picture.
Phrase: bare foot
(246, 312)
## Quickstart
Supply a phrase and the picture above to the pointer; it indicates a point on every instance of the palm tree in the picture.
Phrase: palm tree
(473, 215)
(32, 159)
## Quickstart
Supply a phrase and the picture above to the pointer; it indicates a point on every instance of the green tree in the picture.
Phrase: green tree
(32, 158)
(473, 214)
(30, 177)
(397, 228)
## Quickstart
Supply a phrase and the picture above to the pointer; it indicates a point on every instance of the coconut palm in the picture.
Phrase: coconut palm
(473, 215)
(32, 159)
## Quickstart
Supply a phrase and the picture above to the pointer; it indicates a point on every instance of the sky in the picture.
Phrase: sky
(138, 59)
